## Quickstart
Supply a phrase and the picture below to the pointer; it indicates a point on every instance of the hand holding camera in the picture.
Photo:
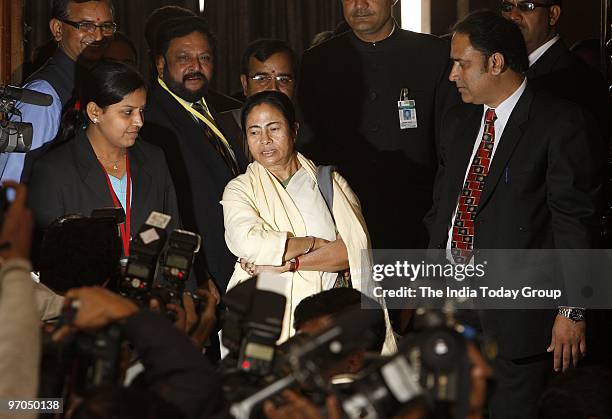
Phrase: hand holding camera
(95, 308)
(16, 234)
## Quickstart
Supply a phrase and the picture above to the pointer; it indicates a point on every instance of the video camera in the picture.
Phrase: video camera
(16, 137)
(311, 358)
(431, 369)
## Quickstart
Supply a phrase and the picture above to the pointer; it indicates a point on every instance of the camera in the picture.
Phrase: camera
(253, 322)
(178, 261)
(309, 359)
(431, 367)
(16, 137)
(137, 281)
(89, 359)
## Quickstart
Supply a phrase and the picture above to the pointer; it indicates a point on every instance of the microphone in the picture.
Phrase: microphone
(25, 95)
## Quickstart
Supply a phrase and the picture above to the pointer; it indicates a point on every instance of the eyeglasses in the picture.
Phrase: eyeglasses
(267, 78)
(524, 6)
(107, 28)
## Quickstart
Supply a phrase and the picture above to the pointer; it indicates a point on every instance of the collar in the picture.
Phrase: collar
(369, 45)
(504, 110)
(180, 99)
(537, 54)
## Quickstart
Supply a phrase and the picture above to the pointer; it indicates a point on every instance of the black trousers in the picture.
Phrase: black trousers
(518, 386)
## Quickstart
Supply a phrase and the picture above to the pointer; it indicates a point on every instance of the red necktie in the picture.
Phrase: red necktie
(462, 243)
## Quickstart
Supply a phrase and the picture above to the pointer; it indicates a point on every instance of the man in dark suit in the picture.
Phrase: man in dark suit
(521, 172)
(201, 158)
(552, 66)
(555, 69)
(348, 95)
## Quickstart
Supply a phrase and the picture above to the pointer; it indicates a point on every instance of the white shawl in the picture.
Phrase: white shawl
(260, 215)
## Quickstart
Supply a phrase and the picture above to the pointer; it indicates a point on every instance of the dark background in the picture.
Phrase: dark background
(237, 22)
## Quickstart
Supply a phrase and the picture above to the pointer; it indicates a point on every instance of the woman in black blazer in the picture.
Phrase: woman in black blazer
(102, 163)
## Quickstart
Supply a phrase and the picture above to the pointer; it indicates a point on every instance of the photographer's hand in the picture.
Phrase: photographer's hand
(18, 225)
(96, 307)
(298, 406)
(207, 319)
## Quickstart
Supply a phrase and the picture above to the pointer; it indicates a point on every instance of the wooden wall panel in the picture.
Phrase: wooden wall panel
(11, 41)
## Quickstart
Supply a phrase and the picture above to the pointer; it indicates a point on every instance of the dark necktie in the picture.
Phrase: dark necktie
(217, 143)
(462, 242)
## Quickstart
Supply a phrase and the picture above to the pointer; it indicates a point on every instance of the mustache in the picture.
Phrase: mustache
(194, 75)
(361, 13)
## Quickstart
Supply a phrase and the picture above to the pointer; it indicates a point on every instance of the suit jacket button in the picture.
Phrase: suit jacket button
(373, 96)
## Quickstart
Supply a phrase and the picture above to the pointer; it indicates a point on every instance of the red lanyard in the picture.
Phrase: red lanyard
(125, 227)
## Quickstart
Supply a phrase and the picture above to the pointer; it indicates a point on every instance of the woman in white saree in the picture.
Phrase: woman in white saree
(276, 218)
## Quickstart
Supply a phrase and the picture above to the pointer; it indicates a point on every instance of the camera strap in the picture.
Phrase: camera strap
(124, 229)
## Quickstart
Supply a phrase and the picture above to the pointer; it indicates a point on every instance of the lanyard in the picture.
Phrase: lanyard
(124, 228)
(198, 115)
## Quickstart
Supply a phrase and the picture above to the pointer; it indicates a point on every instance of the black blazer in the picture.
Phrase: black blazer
(199, 174)
(543, 191)
(69, 179)
(564, 75)
(348, 96)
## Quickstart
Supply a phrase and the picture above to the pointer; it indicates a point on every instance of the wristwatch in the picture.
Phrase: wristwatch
(575, 314)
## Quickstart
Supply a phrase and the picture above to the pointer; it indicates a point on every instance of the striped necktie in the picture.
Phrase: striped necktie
(222, 149)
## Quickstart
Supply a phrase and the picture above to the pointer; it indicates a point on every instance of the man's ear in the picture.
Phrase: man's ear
(244, 83)
(56, 29)
(160, 63)
(497, 64)
(554, 14)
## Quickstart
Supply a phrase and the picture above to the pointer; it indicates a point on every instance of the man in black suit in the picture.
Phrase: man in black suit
(555, 69)
(201, 158)
(530, 167)
(552, 66)
(348, 95)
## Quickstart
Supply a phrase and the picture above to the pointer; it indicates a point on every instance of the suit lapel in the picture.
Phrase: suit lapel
(463, 147)
(141, 186)
(90, 169)
(548, 62)
(513, 133)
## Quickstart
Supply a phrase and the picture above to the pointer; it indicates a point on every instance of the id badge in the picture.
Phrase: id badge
(407, 114)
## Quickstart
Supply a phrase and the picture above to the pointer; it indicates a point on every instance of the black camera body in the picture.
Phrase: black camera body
(431, 367)
(89, 360)
(97, 360)
(177, 262)
(252, 325)
(139, 276)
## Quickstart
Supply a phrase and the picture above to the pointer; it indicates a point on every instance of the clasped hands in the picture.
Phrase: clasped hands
(312, 244)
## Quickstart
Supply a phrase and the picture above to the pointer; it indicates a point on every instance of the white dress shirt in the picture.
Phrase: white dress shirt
(503, 112)
(537, 54)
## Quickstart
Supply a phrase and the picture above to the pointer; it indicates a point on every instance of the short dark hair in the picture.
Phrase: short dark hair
(334, 302)
(59, 8)
(262, 49)
(272, 97)
(490, 33)
(121, 37)
(79, 251)
(158, 17)
(183, 26)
